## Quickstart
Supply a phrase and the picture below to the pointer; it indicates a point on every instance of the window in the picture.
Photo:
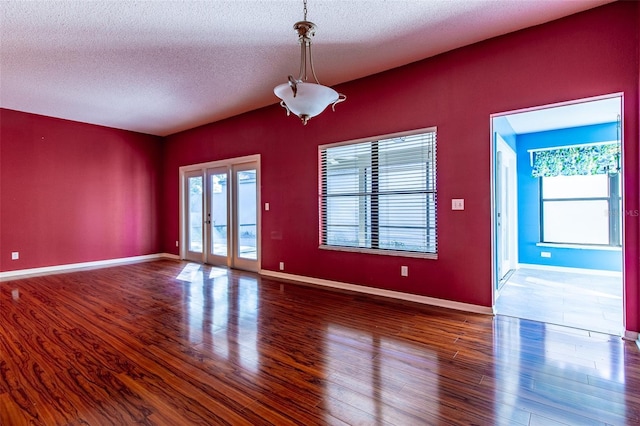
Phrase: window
(380, 195)
(581, 209)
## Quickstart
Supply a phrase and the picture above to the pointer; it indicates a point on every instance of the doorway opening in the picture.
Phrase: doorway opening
(219, 219)
(557, 214)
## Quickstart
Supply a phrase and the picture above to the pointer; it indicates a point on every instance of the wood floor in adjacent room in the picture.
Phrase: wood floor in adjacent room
(175, 343)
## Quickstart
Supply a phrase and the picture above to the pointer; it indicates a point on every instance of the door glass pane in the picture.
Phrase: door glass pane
(218, 209)
(195, 214)
(247, 214)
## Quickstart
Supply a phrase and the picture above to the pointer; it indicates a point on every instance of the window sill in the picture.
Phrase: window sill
(432, 256)
(579, 246)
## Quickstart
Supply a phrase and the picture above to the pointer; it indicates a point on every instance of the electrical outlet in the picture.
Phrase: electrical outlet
(404, 271)
(177, 243)
(282, 266)
(15, 255)
(545, 254)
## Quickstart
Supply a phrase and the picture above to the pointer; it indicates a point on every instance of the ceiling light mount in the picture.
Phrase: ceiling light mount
(299, 96)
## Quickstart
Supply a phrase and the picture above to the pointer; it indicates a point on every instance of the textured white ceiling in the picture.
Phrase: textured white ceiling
(160, 67)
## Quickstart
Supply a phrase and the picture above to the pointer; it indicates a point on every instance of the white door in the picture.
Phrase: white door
(506, 208)
(245, 217)
(220, 218)
(193, 208)
(217, 215)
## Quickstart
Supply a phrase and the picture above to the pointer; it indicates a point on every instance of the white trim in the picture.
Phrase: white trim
(493, 116)
(571, 270)
(631, 336)
(467, 307)
(419, 255)
(579, 246)
(511, 187)
(414, 132)
(71, 267)
(577, 145)
(564, 103)
(493, 220)
(219, 163)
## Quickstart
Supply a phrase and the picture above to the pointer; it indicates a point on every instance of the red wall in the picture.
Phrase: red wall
(584, 55)
(632, 292)
(73, 192)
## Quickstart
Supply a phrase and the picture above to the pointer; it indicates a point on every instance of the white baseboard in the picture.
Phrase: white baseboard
(467, 307)
(570, 270)
(632, 336)
(71, 267)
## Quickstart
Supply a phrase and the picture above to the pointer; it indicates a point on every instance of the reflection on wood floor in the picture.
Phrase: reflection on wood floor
(589, 302)
(176, 343)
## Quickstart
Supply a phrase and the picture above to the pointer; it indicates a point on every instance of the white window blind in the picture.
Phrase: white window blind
(380, 195)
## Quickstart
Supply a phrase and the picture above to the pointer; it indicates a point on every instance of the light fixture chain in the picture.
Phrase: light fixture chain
(305, 10)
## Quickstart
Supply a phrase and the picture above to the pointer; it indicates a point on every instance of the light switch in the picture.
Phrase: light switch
(457, 204)
(266, 206)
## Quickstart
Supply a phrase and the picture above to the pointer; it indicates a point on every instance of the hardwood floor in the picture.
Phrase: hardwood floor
(175, 343)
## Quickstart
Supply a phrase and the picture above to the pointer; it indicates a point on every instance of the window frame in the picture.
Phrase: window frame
(613, 200)
(431, 188)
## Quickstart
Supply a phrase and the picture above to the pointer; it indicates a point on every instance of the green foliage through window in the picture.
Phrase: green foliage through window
(578, 160)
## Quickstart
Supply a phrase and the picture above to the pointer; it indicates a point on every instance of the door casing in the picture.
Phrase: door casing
(494, 228)
(205, 170)
(506, 207)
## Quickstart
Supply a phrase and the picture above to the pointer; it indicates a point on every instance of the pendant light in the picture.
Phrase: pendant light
(299, 96)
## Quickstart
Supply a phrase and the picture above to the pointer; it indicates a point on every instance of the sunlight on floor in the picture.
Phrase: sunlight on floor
(218, 272)
(190, 273)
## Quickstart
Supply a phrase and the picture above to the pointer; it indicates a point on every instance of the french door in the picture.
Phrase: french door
(220, 219)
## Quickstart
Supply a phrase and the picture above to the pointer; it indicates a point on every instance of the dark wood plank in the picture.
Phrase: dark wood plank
(152, 344)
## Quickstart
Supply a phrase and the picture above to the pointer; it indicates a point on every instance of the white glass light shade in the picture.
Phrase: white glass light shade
(310, 100)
